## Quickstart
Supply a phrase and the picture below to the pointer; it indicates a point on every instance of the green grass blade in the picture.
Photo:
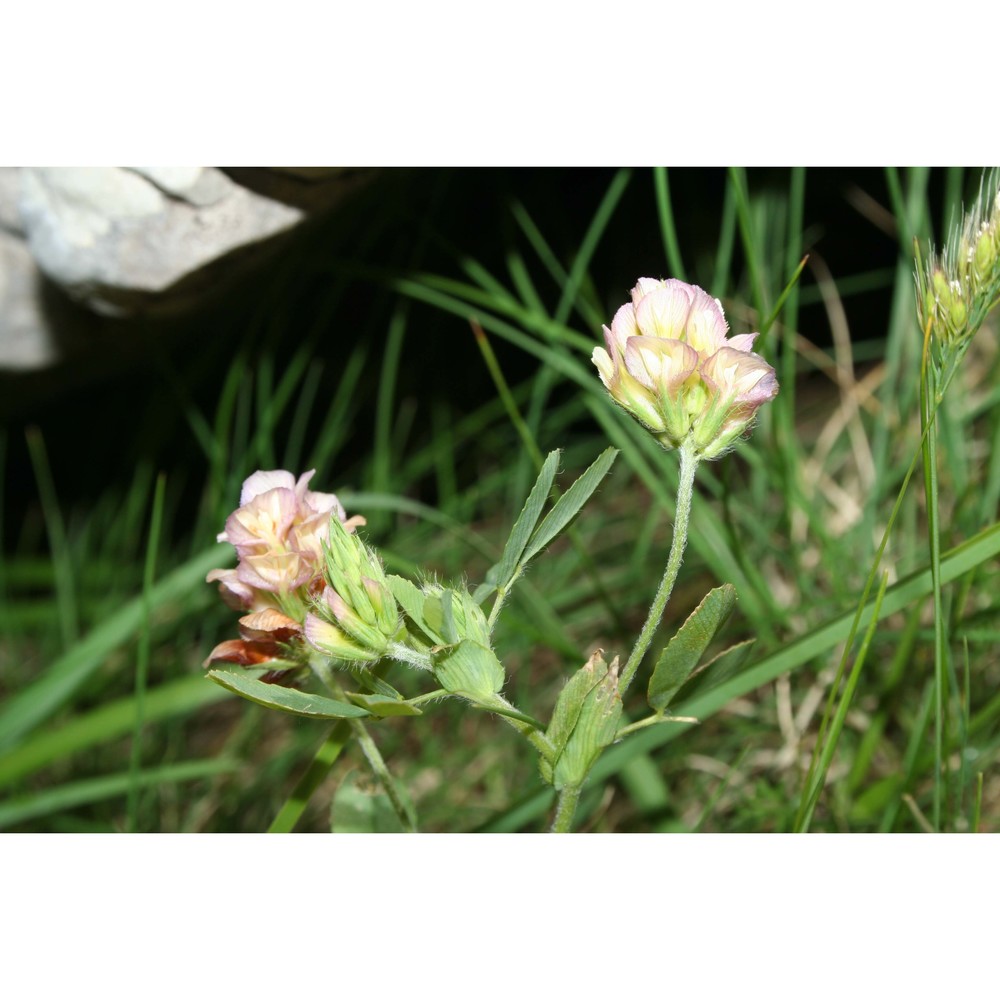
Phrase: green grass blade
(315, 774)
(727, 239)
(80, 793)
(816, 779)
(910, 760)
(816, 643)
(142, 657)
(589, 243)
(739, 180)
(382, 460)
(667, 227)
(109, 722)
(65, 676)
(62, 559)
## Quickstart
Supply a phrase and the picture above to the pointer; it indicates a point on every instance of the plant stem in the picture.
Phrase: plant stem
(387, 781)
(568, 798)
(652, 720)
(929, 399)
(685, 491)
(531, 733)
(374, 758)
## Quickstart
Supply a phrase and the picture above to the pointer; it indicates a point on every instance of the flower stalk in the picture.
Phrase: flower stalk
(685, 492)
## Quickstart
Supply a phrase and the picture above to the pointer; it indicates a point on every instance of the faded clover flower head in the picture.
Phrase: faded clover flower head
(279, 532)
(670, 365)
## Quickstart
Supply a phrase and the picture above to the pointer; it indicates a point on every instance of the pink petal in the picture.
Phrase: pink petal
(623, 326)
(261, 482)
(741, 376)
(660, 363)
(706, 323)
(264, 521)
(742, 341)
(664, 311)
(643, 287)
(605, 366)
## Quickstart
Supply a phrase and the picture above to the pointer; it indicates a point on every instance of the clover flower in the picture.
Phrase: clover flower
(670, 365)
(279, 529)
(279, 532)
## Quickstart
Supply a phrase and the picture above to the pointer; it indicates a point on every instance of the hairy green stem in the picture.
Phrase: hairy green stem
(652, 720)
(685, 491)
(378, 766)
(373, 756)
(566, 810)
(531, 733)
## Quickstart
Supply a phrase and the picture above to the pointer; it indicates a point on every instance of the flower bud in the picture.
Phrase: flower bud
(356, 618)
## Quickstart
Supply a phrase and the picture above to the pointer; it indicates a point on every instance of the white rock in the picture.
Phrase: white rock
(112, 238)
(26, 340)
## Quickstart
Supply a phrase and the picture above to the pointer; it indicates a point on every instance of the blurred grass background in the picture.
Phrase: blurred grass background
(354, 355)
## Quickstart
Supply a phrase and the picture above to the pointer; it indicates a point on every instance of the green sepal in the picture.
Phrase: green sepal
(568, 706)
(383, 706)
(469, 670)
(595, 729)
(450, 616)
(411, 599)
(685, 649)
(312, 706)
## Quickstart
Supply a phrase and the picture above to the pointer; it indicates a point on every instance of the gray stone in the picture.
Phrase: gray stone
(111, 237)
(26, 341)
(136, 242)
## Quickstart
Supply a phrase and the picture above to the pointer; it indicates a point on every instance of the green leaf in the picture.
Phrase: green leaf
(383, 706)
(569, 504)
(526, 521)
(312, 706)
(718, 670)
(685, 649)
(371, 682)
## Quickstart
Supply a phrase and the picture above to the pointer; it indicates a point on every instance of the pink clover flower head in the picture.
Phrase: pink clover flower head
(668, 362)
(278, 532)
